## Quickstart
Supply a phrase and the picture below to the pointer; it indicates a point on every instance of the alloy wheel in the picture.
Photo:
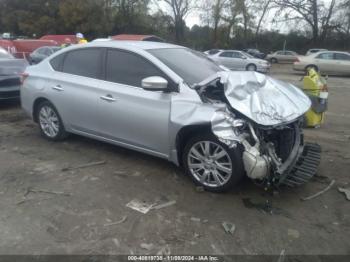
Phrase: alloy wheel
(210, 164)
(49, 121)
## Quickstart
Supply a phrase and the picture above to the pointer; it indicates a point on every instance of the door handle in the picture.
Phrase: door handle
(108, 98)
(58, 88)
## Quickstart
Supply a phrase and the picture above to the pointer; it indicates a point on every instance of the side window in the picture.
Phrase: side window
(340, 56)
(83, 62)
(40, 51)
(129, 69)
(226, 54)
(57, 61)
(280, 53)
(236, 55)
(328, 56)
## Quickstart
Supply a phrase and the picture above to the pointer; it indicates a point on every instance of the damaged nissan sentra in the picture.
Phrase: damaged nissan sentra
(175, 103)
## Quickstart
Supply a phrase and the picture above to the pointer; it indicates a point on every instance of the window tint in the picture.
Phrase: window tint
(83, 62)
(237, 55)
(56, 62)
(340, 56)
(226, 54)
(327, 56)
(129, 69)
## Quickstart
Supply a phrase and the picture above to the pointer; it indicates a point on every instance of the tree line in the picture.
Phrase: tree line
(224, 23)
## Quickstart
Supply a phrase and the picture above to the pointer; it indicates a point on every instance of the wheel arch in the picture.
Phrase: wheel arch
(36, 104)
(187, 132)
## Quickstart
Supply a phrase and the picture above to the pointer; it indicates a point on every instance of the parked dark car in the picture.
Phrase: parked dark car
(41, 53)
(256, 53)
(10, 75)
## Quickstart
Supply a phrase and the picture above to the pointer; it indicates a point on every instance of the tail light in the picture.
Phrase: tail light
(23, 77)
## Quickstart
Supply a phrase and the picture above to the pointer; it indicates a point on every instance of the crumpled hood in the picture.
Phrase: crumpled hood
(263, 99)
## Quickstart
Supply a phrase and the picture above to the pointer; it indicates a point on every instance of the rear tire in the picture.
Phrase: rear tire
(50, 123)
(212, 164)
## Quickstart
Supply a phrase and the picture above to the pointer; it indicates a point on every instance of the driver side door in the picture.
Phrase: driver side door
(126, 113)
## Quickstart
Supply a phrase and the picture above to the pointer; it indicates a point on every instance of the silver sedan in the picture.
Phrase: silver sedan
(170, 101)
(240, 61)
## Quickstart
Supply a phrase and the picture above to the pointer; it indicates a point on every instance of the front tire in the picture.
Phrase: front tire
(211, 164)
(50, 123)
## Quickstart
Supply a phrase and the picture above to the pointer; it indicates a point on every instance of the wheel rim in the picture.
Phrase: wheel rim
(210, 164)
(251, 68)
(49, 121)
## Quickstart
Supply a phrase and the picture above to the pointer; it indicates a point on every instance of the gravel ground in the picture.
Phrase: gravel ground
(47, 209)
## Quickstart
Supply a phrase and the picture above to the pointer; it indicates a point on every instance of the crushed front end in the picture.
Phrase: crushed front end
(263, 117)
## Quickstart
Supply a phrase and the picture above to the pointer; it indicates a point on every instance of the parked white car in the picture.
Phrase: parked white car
(240, 61)
(330, 62)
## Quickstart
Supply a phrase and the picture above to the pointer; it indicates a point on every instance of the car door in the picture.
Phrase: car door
(239, 60)
(342, 63)
(74, 88)
(128, 114)
(325, 62)
(225, 59)
(290, 56)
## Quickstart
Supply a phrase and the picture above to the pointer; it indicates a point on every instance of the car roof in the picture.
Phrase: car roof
(136, 45)
(330, 51)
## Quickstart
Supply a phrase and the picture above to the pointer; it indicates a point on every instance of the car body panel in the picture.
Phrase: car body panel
(330, 62)
(10, 73)
(239, 61)
(283, 56)
(142, 120)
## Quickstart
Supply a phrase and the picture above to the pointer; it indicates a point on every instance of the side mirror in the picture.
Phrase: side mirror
(154, 83)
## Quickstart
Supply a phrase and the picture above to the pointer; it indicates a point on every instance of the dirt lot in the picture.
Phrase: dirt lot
(78, 222)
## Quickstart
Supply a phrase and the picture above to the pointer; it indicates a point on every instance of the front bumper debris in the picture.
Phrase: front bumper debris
(305, 167)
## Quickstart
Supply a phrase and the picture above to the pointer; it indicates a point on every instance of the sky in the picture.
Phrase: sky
(194, 18)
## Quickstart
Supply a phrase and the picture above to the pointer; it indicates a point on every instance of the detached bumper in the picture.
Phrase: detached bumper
(305, 167)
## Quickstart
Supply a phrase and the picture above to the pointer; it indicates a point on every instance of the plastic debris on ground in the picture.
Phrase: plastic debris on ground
(229, 227)
(346, 191)
(139, 206)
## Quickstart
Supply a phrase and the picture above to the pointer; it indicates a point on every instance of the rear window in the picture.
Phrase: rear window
(341, 56)
(83, 62)
(56, 62)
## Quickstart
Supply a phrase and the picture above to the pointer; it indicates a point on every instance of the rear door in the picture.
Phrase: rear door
(326, 62)
(342, 63)
(225, 59)
(129, 114)
(74, 89)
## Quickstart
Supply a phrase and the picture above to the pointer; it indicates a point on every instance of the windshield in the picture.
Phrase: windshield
(192, 66)
(248, 55)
